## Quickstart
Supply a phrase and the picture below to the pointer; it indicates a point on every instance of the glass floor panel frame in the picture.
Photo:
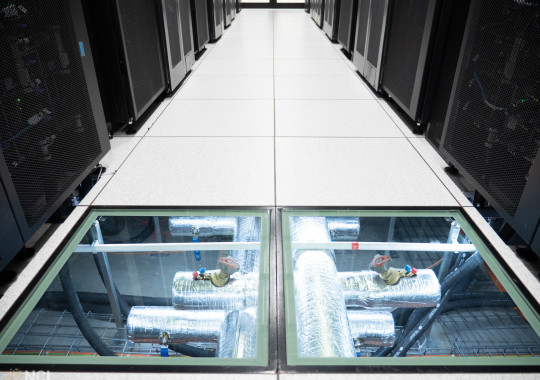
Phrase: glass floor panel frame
(288, 346)
(265, 360)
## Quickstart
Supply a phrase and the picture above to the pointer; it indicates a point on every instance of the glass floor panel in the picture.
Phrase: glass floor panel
(407, 288)
(166, 287)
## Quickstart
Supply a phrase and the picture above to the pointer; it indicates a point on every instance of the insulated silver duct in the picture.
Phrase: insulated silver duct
(367, 289)
(238, 335)
(343, 229)
(248, 230)
(372, 327)
(204, 226)
(146, 323)
(241, 292)
(321, 316)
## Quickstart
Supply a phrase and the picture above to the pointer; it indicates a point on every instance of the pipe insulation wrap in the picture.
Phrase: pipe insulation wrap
(372, 327)
(321, 315)
(343, 229)
(206, 226)
(238, 335)
(240, 293)
(146, 323)
(248, 230)
(309, 230)
(367, 289)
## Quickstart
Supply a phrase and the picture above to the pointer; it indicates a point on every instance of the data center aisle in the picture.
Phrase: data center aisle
(274, 114)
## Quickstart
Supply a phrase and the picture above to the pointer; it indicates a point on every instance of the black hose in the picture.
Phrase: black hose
(422, 318)
(54, 300)
(407, 341)
(195, 352)
(79, 316)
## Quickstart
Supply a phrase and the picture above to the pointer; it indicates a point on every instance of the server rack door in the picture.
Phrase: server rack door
(52, 128)
(347, 24)
(410, 33)
(140, 36)
(199, 13)
(447, 47)
(227, 13)
(172, 32)
(306, 6)
(233, 9)
(491, 130)
(535, 245)
(328, 17)
(10, 237)
(215, 19)
(378, 14)
(362, 29)
(187, 33)
(238, 6)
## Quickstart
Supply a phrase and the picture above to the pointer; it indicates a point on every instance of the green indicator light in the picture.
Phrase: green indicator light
(18, 99)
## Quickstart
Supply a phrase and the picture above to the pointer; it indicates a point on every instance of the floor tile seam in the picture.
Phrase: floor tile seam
(433, 171)
(117, 169)
(393, 121)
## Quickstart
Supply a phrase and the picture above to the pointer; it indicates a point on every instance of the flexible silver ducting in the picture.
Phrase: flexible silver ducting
(238, 335)
(366, 289)
(241, 292)
(321, 316)
(146, 323)
(206, 226)
(343, 229)
(372, 327)
(248, 230)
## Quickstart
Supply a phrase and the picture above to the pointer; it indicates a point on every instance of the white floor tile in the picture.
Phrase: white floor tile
(227, 87)
(236, 53)
(333, 118)
(216, 118)
(301, 42)
(193, 171)
(236, 67)
(309, 53)
(335, 67)
(355, 172)
(320, 87)
(121, 147)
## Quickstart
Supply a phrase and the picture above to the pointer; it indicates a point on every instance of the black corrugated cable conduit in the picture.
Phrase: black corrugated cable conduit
(79, 316)
(420, 317)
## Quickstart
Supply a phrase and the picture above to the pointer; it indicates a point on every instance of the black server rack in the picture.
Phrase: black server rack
(318, 12)
(331, 18)
(172, 40)
(11, 240)
(410, 37)
(492, 128)
(52, 128)
(306, 6)
(125, 35)
(199, 19)
(370, 38)
(448, 44)
(187, 33)
(233, 9)
(227, 16)
(535, 245)
(215, 18)
(347, 24)
(238, 6)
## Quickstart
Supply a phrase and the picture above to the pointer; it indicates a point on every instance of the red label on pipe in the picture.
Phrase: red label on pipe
(355, 245)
